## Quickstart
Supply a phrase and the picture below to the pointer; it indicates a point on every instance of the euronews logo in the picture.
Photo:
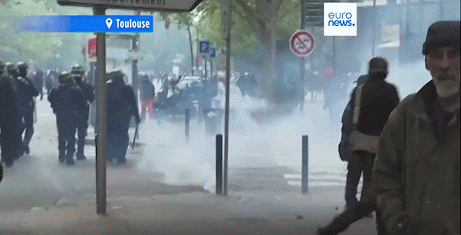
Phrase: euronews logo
(340, 19)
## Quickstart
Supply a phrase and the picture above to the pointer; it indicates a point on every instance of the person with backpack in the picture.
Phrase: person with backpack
(354, 171)
(373, 102)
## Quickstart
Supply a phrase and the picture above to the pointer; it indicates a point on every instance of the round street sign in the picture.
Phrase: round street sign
(302, 43)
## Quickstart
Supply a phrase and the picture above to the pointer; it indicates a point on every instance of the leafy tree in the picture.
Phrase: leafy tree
(59, 49)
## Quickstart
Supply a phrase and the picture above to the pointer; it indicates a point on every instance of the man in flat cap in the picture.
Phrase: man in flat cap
(416, 174)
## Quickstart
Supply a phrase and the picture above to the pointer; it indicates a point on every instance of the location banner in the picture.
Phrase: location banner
(88, 24)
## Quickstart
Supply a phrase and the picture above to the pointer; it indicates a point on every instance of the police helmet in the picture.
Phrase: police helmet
(22, 66)
(2, 66)
(64, 77)
(77, 70)
(116, 76)
(11, 68)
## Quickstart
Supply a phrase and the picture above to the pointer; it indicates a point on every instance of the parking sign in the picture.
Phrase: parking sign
(204, 47)
(212, 52)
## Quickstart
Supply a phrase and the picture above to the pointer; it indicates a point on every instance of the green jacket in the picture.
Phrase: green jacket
(416, 174)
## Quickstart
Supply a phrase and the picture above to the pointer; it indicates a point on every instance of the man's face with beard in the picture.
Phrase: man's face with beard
(443, 64)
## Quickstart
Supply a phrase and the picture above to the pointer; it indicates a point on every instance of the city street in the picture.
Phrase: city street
(264, 180)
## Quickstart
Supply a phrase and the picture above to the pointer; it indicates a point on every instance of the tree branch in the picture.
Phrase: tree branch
(251, 12)
(250, 21)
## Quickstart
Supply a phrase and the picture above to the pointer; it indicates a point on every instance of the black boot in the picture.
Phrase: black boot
(80, 157)
(9, 163)
(121, 161)
(70, 161)
(339, 224)
(62, 158)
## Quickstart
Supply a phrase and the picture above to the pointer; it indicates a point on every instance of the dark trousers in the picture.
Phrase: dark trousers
(364, 207)
(67, 127)
(117, 137)
(361, 162)
(82, 131)
(27, 128)
(9, 140)
(352, 181)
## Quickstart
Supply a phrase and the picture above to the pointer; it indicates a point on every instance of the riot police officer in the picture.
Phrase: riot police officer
(24, 90)
(82, 125)
(9, 119)
(121, 105)
(27, 106)
(68, 102)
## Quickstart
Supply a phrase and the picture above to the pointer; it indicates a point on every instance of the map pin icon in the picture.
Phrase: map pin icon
(109, 22)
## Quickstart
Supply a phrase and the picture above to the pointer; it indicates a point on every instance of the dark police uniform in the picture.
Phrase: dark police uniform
(82, 124)
(24, 90)
(9, 119)
(27, 106)
(121, 105)
(67, 101)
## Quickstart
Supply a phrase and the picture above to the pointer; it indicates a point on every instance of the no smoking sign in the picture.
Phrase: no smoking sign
(302, 43)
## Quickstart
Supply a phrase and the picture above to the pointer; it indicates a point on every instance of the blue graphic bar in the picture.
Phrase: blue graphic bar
(89, 24)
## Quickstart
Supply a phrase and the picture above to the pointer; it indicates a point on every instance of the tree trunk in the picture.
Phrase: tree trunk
(191, 51)
(269, 72)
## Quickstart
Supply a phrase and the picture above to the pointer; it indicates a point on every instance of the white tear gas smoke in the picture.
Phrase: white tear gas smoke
(253, 144)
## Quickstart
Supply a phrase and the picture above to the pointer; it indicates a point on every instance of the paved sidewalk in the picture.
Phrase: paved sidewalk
(189, 213)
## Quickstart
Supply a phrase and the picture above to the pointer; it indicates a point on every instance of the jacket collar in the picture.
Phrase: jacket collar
(432, 111)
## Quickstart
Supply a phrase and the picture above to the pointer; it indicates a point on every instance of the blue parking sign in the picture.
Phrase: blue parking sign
(212, 52)
(204, 46)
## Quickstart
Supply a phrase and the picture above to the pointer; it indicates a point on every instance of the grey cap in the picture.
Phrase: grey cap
(442, 34)
(378, 65)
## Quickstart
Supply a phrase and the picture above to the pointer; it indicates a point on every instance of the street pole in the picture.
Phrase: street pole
(191, 50)
(226, 114)
(100, 79)
(303, 59)
(211, 67)
(206, 68)
(374, 29)
(334, 54)
(134, 73)
(196, 62)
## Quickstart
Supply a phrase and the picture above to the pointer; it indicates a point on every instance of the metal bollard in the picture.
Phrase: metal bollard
(305, 165)
(187, 125)
(219, 164)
